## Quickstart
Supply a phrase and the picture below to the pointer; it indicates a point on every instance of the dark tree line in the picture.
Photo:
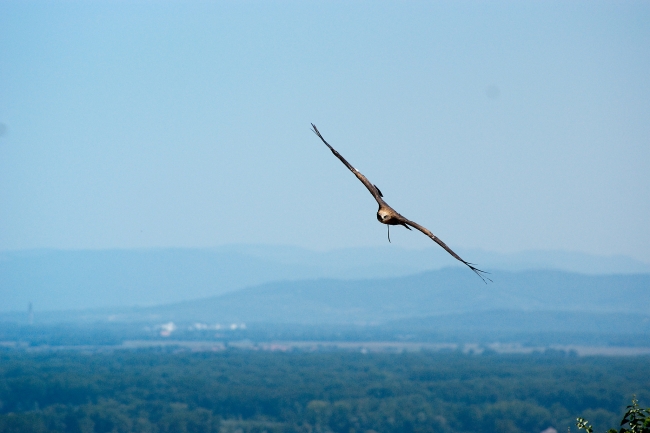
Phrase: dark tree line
(251, 391)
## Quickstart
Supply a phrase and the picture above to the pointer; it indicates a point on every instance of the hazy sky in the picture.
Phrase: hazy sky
(503, 126)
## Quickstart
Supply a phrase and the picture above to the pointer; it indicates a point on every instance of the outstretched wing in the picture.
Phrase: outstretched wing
(372, 188)
(437, 240)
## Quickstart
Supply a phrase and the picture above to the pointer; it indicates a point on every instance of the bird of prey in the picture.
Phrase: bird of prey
(389, 216)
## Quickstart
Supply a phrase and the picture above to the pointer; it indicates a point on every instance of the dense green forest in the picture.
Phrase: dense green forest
(248, 391)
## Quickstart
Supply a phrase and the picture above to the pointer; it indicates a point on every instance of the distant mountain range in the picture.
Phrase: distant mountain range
(66, 280)
(434, 293)
(448, 297)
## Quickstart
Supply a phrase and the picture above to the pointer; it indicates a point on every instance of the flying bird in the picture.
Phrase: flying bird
(389, 216)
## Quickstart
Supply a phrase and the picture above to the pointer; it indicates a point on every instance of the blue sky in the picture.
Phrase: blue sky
(502, 126)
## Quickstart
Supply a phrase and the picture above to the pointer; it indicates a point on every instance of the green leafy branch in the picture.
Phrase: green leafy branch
(636, 418)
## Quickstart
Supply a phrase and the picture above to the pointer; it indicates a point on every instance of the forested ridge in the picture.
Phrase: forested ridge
(155, 391)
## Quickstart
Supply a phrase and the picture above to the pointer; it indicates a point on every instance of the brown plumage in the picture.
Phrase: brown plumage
(388, 215)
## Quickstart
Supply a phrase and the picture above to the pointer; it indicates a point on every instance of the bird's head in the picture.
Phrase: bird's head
(382, 216)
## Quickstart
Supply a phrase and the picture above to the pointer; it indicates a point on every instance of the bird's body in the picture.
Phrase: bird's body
(389, 216)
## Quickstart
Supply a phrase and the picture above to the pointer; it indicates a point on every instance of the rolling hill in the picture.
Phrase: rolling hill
(61, 280)
(448, 292)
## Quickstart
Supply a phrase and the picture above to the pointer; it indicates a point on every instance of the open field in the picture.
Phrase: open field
(328, 346)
